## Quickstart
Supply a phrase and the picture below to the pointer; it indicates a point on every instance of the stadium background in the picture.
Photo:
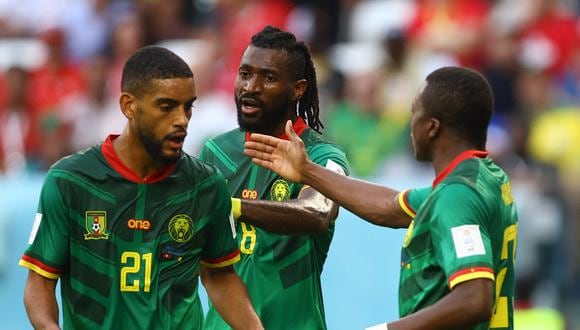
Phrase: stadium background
(60, 63)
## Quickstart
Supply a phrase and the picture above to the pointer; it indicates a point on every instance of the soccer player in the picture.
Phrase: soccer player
(127, 224)
(284, 229)
(457, 267)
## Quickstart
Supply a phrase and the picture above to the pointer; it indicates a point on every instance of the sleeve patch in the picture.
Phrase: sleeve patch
(467, 240)
(35, 227)
(331, 165)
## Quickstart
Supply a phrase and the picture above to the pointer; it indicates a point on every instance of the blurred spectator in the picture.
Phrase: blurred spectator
(15, 122)
(96, 113)
(550, 37)
(358, 122)
(453, 27)
(238, 21)
(49, 85)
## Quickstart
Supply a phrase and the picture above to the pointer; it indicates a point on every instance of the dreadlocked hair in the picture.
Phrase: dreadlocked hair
(301, 67)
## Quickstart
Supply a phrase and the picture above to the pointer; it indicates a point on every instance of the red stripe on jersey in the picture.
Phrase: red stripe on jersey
(406, 201)
(41, 265)
(111, 156)
(462, 156)
(299, 127)
(224, 258)
(470, 270)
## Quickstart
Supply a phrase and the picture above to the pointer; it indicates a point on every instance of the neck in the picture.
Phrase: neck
(132, 153)
(446, 152)
(280, 128)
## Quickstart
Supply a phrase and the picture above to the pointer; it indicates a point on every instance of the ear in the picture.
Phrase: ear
(299, 89)
(434, 128)
(128, 104)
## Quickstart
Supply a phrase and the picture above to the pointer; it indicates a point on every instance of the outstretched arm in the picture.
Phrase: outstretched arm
(40, 301)
(374, 203)
(310, 213)
(229, 296)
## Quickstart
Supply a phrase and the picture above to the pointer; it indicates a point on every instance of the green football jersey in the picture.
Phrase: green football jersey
(281, 272)
(465, 228)
(128, 251)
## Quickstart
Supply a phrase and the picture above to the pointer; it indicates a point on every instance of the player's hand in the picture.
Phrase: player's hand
(287, 158)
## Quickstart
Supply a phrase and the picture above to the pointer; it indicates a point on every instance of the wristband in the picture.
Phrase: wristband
(236, 208)
(382, 326)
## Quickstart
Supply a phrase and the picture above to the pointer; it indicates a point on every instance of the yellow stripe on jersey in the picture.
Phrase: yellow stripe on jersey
(37, 269)
(473, 274)
(405, 205)
(224, 263)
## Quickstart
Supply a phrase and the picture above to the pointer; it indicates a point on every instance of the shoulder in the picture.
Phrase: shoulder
(320, 149)
(196, 167)
(230, 137)
(80, 161)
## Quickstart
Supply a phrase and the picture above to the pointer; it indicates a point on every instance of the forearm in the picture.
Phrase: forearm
(230, 298)
(466, 306)
(373, 203)
(299, 216)
(40, 302)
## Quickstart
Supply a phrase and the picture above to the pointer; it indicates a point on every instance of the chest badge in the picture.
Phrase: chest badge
(280, 191)
(181, 228)
(96, 225)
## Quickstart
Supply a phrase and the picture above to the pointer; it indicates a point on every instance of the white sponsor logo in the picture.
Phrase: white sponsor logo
(467, 240)
(35, 226)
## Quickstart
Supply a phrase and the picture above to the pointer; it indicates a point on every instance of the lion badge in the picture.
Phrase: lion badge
(280, 191)
(181, 228)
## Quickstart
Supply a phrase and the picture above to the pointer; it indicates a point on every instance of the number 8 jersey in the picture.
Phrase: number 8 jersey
(128, 251)
(281, 272)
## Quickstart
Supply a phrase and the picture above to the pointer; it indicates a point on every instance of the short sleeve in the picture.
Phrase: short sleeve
(411, 200)
(330, 156)
(222, 248)
(48, 251)
(460, 236)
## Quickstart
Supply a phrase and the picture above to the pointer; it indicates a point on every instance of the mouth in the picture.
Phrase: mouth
(176, 140)
(250, 106)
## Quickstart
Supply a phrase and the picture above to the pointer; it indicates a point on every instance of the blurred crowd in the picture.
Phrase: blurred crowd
(60, 63)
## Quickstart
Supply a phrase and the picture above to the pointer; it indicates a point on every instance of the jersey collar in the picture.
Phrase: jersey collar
(113, 159)
(461, 157)
(299, 127)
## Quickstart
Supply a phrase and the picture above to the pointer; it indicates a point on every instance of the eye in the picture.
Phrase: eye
(243, 74)
(165, 107)
(271, 78)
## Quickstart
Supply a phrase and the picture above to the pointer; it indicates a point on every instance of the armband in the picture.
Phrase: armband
(236, 208)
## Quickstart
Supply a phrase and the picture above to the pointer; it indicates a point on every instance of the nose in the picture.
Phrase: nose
(182, 117)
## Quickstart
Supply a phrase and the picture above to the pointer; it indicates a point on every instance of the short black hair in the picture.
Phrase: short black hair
(462, 100)
(152, 62)
(300, 66)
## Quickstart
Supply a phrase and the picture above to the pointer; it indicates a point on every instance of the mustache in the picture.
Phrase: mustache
(180, 133)
(250, 97)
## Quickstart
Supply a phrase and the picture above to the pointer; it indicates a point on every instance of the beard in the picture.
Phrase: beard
(268, 118)
(154, 146)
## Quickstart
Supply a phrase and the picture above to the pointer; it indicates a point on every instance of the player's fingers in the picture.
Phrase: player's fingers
(263, 163)
(258, 146)
(290, 131)
(266, 139)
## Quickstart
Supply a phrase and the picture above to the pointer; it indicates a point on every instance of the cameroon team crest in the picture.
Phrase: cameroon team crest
(96, 225)
(280, 191)
(181, 228)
